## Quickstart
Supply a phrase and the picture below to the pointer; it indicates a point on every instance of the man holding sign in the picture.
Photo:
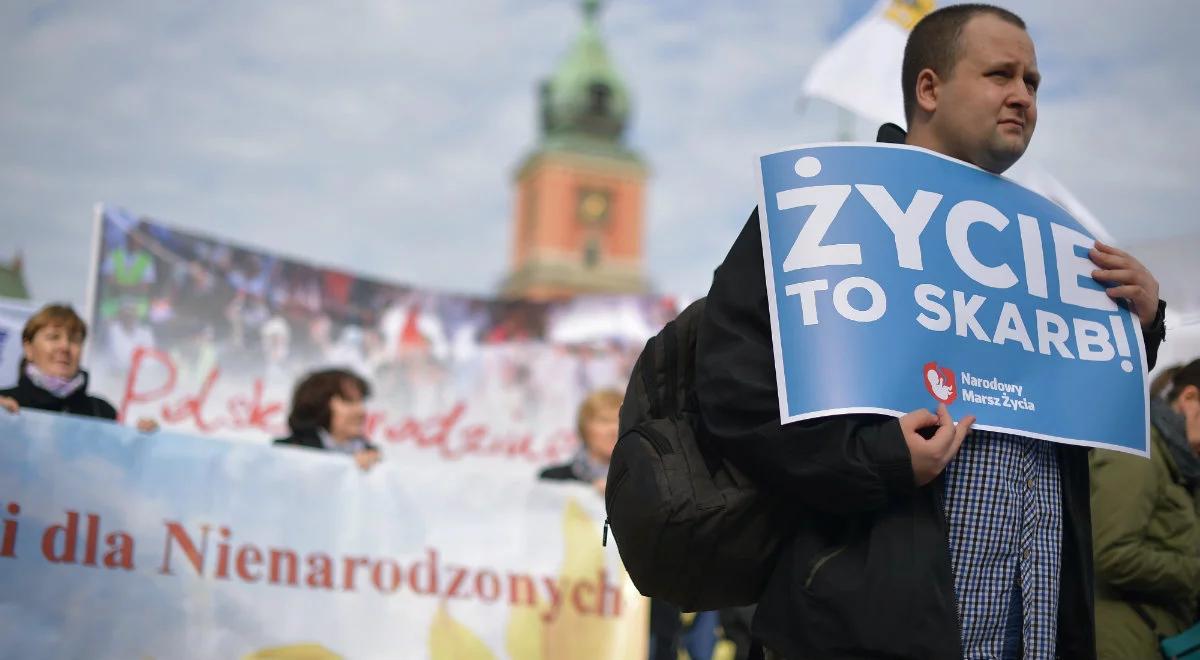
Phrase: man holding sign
(845, 308)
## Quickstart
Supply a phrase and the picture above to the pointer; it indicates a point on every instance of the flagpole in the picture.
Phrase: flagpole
(845, 125)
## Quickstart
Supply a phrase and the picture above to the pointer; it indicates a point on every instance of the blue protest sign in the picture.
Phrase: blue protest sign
(899, 278)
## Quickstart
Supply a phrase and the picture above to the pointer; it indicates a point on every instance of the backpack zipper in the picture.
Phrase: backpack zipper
(821, 562)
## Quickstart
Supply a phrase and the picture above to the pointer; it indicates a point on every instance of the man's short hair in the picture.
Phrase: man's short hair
(55, 315)
(933, 44)
(310, 401)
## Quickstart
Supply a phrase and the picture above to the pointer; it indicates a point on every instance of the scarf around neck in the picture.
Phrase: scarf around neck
(1173, 429)
(586, 468)
(58, 386)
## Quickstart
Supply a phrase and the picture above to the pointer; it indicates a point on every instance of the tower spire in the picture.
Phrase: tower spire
(591, 8)
(580, 193)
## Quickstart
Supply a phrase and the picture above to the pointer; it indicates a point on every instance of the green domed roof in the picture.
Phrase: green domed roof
(585, 96)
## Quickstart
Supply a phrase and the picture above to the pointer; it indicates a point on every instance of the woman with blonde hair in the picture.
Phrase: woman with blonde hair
(597, 423)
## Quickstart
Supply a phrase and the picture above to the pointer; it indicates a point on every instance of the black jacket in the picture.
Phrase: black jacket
(867, 572)
(28, 395)
(310, 439)
(558, 473)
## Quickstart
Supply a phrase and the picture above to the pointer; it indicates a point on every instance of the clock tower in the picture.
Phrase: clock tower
(577, 225)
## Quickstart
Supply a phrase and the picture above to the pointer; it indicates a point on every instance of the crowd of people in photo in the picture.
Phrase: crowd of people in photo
(257, 316)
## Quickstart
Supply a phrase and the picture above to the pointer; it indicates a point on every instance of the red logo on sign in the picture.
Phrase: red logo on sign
(940, 382)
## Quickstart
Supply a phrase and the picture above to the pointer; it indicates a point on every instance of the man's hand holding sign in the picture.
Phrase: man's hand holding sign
(930, 456)
(1130, 279)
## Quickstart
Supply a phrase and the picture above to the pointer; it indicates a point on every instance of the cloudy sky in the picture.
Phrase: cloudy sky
(380, 136)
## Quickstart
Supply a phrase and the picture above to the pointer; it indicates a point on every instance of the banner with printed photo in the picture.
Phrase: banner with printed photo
(13, 315)
(118, 544)
(899, 278)
(210, 337)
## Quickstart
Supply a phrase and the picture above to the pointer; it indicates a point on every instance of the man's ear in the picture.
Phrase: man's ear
(927, 91)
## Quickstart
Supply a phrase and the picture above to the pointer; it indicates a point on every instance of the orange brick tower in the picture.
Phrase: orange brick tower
(577, 226)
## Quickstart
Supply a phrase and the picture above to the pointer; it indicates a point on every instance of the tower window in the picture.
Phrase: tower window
(591, 253)
(599, 96)
(529, 215)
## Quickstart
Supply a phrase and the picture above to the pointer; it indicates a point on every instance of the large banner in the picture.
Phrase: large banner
(13, 315)
(210, 337)
(117, 544)
(899, 278)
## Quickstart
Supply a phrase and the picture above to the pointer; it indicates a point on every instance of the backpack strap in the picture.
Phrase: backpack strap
(690, 400)
(670, 342)
(1145, 617)
(648, 367)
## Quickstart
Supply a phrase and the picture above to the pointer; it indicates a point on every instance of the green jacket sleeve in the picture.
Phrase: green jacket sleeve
(1125, 491)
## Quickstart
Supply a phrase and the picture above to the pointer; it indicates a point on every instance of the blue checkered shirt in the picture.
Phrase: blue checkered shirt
(1004, 510)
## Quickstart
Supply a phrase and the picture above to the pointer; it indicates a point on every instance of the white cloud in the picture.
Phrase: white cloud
(380, 137)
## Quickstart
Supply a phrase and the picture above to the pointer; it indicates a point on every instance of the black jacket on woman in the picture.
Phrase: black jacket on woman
(558, 473)
(310, 439)
(28, 395)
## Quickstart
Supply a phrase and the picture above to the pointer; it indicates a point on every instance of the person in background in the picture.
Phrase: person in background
(735, 628)
(276, 340)
(328, 415)
(597, 424)
(1145, 527)
(129, 272)
(50, 378)
(125, 334)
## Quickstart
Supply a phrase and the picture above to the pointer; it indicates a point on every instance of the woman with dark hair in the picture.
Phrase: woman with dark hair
(328, 414)
(1145, 526)
(50, 378)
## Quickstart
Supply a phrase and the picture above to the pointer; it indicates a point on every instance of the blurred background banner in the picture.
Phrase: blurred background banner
(13, 314)
(210, 337)
(126, 545)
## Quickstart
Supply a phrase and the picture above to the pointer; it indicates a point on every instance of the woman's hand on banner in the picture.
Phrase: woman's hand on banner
(10, 404)
(147, 425)
(930, 456)
(366, 459)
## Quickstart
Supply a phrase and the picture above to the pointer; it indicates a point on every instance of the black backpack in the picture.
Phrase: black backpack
(690, 527)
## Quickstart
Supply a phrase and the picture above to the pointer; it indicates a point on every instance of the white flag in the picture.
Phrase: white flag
(861, 71)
